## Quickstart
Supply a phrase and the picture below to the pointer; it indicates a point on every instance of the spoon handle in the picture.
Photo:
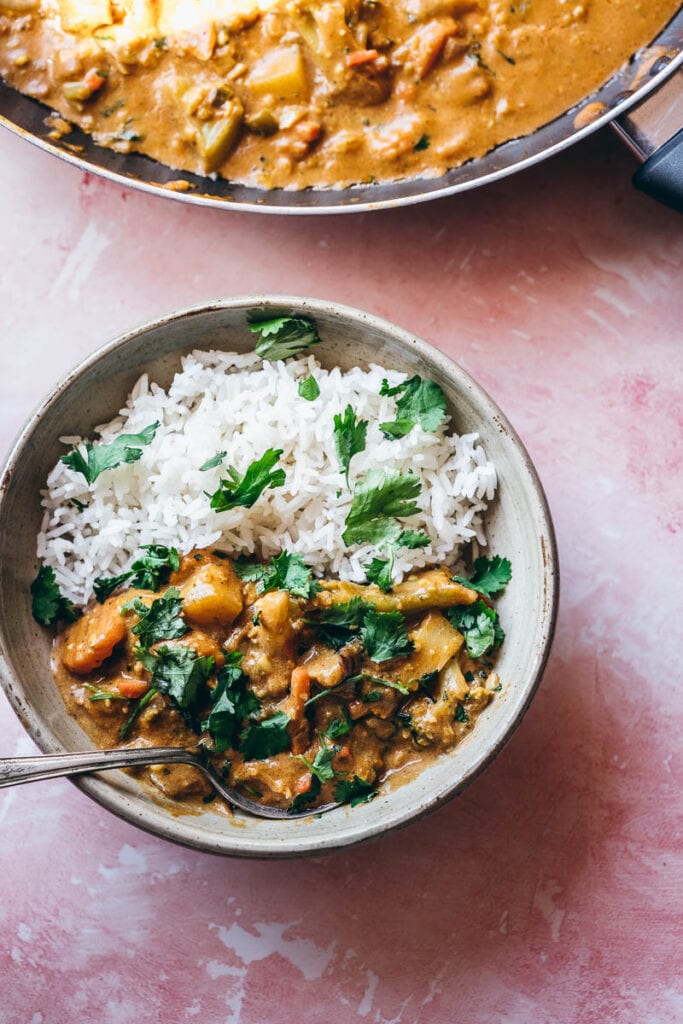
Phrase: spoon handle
(15, 770)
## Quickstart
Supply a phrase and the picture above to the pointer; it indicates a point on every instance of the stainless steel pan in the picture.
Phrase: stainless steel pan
(625, 99)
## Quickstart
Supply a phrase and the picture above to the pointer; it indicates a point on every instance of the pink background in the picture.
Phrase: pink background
(548, 891)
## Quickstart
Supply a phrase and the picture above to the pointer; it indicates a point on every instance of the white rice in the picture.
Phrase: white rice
(225, 401)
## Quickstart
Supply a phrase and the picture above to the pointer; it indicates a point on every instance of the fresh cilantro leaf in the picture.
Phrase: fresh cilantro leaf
(153, 569)
(460, 714)
(384, 636)
(303, 799)
(106, 585)
(339, 726)
(380, 571)
(354, 791)
(288, 572)
(160, 621)
(422, 143)
(337, 625)
(489, 575)
(124, 448)
(178, 672)
(321, 767)
(231, 703)
(479, 625)
(284, 336)
(413, 539)
(349, 438)
(97, 694)
(140, 706)
(364, 677)
(378, 501)
(249, 570)
(264, 739)
(422, 401)
(245, 490)
(309, 389)
(372, 697)
(79, 505)
(147, 573)
(48, 604)
(214, 461)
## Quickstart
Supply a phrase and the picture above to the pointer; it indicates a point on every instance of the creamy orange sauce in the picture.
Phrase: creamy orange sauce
(391, 718)
(319, 93)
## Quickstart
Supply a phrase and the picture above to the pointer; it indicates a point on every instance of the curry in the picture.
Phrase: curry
(302, 694)
(297, 93)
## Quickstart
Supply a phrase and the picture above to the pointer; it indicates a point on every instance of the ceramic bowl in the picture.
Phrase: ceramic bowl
(518, 525)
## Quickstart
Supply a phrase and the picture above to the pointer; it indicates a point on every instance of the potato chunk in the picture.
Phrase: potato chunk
(212, 595)
(280, 73)
(92, 639)
(436, 641)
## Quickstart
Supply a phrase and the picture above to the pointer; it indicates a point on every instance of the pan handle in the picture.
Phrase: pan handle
(653, 130)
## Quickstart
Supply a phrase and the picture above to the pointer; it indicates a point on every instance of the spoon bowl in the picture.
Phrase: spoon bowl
(16, 770)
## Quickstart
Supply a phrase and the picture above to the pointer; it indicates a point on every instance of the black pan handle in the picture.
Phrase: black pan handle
(653, 130)
(661, 176)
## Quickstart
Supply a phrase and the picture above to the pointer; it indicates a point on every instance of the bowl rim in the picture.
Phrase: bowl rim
(94, 786)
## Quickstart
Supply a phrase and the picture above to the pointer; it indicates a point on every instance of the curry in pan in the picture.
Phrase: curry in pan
(297, 93)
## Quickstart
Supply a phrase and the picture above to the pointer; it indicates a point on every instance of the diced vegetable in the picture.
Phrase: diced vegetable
(212, 595)
(280, 73)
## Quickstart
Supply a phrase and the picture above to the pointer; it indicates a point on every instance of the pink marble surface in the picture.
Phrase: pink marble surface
(550, 891)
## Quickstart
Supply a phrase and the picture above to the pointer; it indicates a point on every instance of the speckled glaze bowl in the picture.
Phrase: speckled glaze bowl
(518, 525)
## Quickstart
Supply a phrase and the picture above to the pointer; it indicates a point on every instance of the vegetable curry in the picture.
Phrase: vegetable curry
(302, 692)
(316, 92)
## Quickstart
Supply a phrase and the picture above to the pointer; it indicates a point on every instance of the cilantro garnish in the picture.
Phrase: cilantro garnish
(48, 604)
(96, 693)
(384, 635)
(489, 575)
(309, 389)
(299, 802)
(364, 677)
(140, 706)
(380, 571)
(379, 500)
(285, 572)
(231, 703)
(244, 490)
(339, 624)
(148, 572)
(354, 791)
(283, 336)
(124, 448)
(479, 625)
(321, 767)
(214, 461)
(178, 672)
(349, 438)
(460, 714)
(159, 621)
(339, 726)
(421, 401)
(422, 143)
(264, 739)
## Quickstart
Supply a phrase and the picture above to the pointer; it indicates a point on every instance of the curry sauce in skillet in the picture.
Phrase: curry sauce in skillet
(299, 93)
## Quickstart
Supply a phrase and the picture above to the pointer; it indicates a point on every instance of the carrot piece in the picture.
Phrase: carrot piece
(344, 751)
(358, 57)
(303, 784)
(132, 688)
(93, 80)
(300, 684)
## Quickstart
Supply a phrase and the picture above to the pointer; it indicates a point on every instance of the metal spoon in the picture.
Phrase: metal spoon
(15, 770)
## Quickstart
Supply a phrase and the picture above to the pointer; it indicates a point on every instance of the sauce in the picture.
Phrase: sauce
(340, 719)
(325, 93)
